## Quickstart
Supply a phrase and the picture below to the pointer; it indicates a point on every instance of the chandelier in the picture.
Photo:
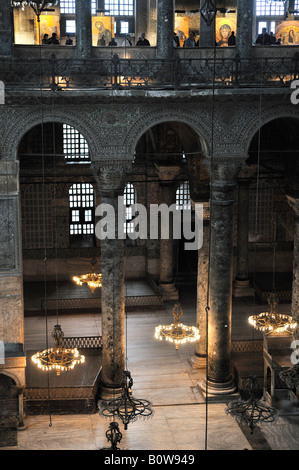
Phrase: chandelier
(113, 435)
(126, 407)
(58, 358)
(177, 333)
(272, 322)
(38, 7)
(93, 279)
(251, 411)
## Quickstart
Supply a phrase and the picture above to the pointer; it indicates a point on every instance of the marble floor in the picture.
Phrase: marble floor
(182, 419)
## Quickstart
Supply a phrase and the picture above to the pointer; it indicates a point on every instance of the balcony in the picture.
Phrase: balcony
(131, 69)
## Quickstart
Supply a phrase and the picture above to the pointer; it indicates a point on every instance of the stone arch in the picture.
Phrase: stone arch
(256, 122)
(26, 121)
(155, 117)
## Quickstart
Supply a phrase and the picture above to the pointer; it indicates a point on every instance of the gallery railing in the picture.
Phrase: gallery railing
(149, 74)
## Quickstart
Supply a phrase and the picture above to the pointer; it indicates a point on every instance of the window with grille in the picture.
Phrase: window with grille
(37, 217)
(129, 200)
(267, 8)
(261, 213)
(68, 7)
(81, 204)
(75, 146)
(183, 201)
(119, 7)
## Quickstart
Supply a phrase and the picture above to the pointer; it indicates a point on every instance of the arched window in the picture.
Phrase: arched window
(129, 199)
(81, 206)
(183, 201)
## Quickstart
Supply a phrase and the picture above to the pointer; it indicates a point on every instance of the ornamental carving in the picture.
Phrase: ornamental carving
(111, 175)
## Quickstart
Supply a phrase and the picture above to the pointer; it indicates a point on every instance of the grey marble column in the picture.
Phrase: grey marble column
(11, 278)
(168, 186)
(206, 33)
(198, 361)
(6, 27)
(110, 178)
(244, 27)
(294, 203)
(242, 286)
(83, 29)
(165, 28)
(223, 188)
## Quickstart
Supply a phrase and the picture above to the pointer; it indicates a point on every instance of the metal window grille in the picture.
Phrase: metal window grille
(129, 200)
(183, 201)
(81, 204)
(75, 147)
(68, 7)
(37, 217)
(266, 8)
(261, 217)
(119, 7)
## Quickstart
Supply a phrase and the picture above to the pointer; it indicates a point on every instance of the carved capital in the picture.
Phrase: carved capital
(111, 176)
(225, 170)
(167, 174)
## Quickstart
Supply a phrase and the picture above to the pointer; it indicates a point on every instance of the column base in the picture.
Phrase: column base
(169, 291)
(198, 362)
(243, 288)
(109, 392)
(218, 391)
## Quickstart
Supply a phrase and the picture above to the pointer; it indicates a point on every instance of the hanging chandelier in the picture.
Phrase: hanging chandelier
(177, 333)
(272, 322)
(126, 407)
(38, 7)
(113, 435)
(93, 279)
(58, 358)
(251, 411)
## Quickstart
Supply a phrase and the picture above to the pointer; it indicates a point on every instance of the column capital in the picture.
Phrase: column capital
(167, 173)
(111, 176)
(224, 170)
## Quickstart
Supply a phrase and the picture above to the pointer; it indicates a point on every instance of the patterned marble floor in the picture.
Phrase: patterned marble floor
(182, 420)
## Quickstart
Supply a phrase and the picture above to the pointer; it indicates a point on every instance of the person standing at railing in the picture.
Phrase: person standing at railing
(232, 39)
(53, 39)
(45, 39)
(264, 38)
(190, 41)
(142, 41)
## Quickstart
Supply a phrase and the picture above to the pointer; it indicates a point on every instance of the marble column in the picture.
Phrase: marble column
(242, 286)
(6, 27)
(168, 189)
(294, 203)
(223, 187)
(198, 361)
(244, 27)
(165, 28)
(11, 277)
(110, 178)
(83, 29)
(206, 32)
